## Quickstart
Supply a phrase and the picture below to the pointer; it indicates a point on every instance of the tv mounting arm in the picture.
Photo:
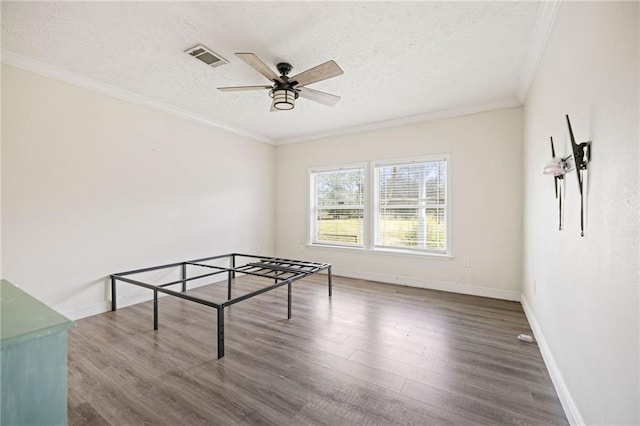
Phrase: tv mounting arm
(581, 157)
(559, 166)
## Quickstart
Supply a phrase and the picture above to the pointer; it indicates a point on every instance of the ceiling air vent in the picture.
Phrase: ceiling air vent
(207, 56)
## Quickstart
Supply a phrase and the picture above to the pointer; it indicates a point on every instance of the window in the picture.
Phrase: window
(337, 206)
(399, 205)
(411, 205)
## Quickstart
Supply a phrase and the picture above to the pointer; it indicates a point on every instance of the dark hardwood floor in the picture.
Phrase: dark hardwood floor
(372, 354)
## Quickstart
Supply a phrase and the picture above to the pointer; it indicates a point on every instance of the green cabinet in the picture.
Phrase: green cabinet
(33, 355)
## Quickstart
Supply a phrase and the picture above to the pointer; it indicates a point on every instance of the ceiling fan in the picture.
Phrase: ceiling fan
(285, 90)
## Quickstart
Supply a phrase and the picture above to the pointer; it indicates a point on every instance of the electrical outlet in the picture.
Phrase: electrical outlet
(465, 263)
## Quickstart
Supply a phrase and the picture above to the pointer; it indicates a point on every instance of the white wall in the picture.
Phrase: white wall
(486, 189)
(92, 185)
(583, 292)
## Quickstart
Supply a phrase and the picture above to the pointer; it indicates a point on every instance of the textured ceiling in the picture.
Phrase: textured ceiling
(400, 59)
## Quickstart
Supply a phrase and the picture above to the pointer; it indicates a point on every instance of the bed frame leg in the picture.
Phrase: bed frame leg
(289, 301)
(233, 265)
(329, 280)
(229, 285)
(155, 309)
(184, 277)
(113, 293)
(220, 333)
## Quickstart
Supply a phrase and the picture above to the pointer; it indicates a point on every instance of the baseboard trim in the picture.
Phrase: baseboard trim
(87, 311)
(567, 401)
(102, 307)
(451, 287)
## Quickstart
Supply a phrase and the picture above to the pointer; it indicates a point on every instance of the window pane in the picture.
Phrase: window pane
(412, 205)
(435, 230)
(340, 226)
(412, 184)
(339, 207)
(340, 187)
(398, 227)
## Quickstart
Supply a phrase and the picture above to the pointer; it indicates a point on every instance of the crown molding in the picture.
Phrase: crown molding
(60, 74)
(419, 118)
(542, 30)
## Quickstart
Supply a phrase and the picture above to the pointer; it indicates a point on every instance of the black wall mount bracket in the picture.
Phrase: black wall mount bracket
(581, 157)
(558, 167)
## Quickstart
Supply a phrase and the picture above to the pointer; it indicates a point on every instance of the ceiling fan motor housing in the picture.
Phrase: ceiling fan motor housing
(284, 91)
(284, 68)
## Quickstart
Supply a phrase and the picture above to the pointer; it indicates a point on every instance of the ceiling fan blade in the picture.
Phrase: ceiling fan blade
(242, 88)
(321, 72)
(254, 62)
(318, 96)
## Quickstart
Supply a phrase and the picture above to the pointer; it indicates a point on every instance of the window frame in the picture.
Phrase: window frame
(370, 208)
(375, 204)
(312, 207)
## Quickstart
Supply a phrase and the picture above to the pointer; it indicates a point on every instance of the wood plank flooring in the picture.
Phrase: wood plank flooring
(372, 354)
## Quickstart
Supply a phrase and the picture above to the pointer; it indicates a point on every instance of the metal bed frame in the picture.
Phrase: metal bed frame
(282, 271)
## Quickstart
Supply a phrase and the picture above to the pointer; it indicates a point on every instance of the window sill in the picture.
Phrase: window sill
(380, 251)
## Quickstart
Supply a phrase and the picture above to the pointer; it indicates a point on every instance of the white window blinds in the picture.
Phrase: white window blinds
(411, 206)
(338, 206)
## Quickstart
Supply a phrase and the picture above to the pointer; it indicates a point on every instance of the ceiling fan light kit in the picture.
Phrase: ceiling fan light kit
(283, 99)
(285, 90)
